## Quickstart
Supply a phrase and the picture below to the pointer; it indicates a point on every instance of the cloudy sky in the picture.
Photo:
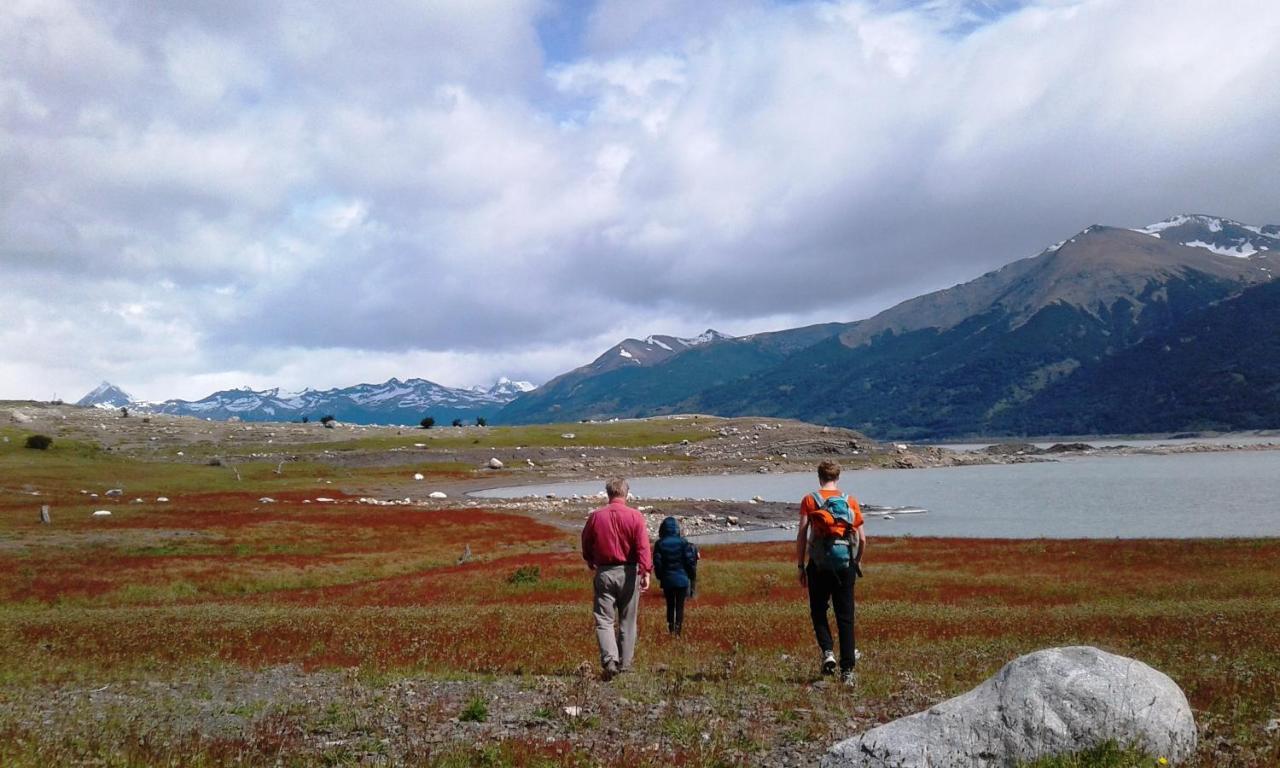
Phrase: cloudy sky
(199, 195)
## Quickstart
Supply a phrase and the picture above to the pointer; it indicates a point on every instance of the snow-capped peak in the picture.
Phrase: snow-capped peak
(505, 386)
(107, 395)
(1215, 234)
(706, 337)
(1212, 223)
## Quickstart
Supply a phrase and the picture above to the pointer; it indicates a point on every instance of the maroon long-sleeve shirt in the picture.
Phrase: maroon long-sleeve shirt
(616, 535)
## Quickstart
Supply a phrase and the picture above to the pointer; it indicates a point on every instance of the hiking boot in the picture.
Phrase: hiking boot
(848, 677)
(828, 663)
(610, 671)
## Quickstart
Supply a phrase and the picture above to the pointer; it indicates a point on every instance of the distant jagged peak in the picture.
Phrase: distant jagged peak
(107, 395)
(504, 385)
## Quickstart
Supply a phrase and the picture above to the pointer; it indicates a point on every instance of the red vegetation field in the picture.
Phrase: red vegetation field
(222, 579)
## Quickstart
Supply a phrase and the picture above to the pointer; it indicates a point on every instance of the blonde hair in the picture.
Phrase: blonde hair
(828, 471)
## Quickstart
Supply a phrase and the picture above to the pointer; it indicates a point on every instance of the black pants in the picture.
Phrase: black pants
(835, 587)
(675, 607)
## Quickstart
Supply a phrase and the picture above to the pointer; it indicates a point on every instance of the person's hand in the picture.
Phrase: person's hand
(644, 582)
(804, 577)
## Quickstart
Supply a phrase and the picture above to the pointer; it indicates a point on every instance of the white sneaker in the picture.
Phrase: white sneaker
(828, 663)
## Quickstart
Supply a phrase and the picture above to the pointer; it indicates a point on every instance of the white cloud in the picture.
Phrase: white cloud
(200, 195)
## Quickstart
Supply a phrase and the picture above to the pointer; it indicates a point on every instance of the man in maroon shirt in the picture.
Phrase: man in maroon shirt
(615, 544)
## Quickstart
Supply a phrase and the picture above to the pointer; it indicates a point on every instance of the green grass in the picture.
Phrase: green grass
(1106, 755)
(625, 434)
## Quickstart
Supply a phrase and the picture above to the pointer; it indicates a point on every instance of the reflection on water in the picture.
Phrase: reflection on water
(1177, 496)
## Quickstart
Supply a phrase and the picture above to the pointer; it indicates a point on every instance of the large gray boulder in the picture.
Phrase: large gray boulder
(1050, 702)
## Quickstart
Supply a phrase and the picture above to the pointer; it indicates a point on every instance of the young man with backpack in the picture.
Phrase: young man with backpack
(829, 545)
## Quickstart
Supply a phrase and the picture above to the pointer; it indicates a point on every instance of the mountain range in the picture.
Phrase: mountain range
(392, 402)
(1165, 328)
(1057, 343)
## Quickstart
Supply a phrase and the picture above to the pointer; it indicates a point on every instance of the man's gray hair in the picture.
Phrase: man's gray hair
(617, 488)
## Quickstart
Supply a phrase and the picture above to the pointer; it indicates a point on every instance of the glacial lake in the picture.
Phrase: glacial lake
(1189, 495)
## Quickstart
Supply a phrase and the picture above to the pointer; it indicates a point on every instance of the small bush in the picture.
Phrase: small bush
(476, 711)
(39, 442)
(306, 419)
(525, 574)
(457, 422)
(427, 423)
(327, 419)
(481, 421)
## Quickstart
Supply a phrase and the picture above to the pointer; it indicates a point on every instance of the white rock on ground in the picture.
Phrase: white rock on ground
(1050, 702)
(437, 495)
(495, 464)
(419, 476)
(102, 513)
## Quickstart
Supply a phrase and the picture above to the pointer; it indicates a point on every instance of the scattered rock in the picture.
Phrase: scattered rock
(1068, 448)
(266, 500)
(102, 513)
(162, 499)
(568, 435)
(419, 476)
(437, 495)
(495, 464)
(572, 711)
(115, 492)
(731, 520)
(1051, 702)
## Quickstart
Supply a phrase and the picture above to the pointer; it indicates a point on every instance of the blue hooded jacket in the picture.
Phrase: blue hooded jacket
(675, 560)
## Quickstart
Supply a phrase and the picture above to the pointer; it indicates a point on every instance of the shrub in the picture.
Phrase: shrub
(427, 423)
(39, 442)
(481, 421)
(305, 419)
(327, 419)
(476, 711)
(525, 574)
(457, 422)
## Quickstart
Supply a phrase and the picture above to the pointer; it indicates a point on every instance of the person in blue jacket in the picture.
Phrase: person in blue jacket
(675, 563)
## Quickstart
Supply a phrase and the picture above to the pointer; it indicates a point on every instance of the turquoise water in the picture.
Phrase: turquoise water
(1177, 496)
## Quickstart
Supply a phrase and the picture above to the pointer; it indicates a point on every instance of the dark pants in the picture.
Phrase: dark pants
(675, 607)
(835, 587)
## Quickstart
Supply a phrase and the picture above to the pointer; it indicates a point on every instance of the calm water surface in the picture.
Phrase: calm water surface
(1177, 496)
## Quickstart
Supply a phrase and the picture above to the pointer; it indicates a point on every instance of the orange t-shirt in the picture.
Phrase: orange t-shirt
(807, 505)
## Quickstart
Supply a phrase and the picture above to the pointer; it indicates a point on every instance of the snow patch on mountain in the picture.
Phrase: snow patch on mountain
(1243, 250)
(1215, 234)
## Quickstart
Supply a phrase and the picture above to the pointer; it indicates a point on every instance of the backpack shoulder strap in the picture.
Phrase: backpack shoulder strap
(817, 499)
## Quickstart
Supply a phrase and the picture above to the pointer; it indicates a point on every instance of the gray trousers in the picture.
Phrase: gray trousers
(617, 601)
